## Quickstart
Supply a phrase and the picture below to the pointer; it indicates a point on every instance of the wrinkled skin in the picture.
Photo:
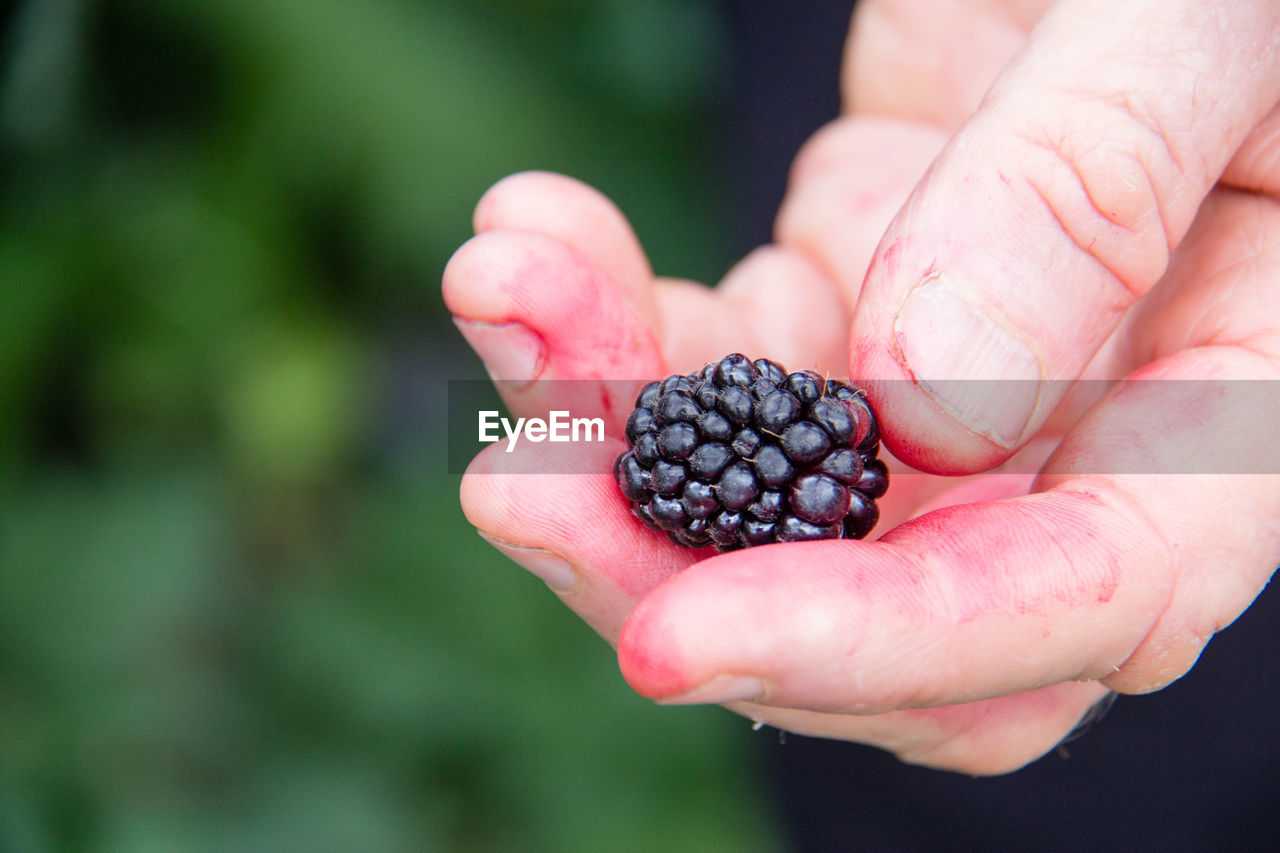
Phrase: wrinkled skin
(1081, 189)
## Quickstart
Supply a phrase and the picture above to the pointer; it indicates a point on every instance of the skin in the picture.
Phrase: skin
(1071, 190)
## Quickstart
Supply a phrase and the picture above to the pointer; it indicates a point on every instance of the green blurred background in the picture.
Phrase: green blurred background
(239, 606)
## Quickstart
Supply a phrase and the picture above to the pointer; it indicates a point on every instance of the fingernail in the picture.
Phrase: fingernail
(511, 352)
(975, 368)
(717, 691)
(552, 569)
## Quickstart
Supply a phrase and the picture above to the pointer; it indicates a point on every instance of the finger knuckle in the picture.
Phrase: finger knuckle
(1106, 171)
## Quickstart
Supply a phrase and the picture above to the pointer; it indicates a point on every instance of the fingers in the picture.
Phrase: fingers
(1050, 213)
(574, 533)
(982, 738)
(1204, 406)
(579, 216)
(1217, 520)
(697, 328)
(573, 530)
(847, 183)
(1256, 165)
(969, 602)
(931, 62)
(1221, 290)
(778, 304)
(555, 287)
(537, 311)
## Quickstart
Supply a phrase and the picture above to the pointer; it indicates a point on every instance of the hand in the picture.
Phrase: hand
(1106, 211)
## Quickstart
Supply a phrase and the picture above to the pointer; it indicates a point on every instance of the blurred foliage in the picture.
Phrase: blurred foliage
(239, 606)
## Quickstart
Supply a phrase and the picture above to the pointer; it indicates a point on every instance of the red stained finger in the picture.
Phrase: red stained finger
(538, 312)
(579, 216)
(966, 603)
(575, 533)
(573, 530)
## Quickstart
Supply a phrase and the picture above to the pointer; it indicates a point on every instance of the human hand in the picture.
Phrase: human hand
(1114, 216)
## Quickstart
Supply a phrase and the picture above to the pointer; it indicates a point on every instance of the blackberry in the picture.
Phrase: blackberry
(743, 453)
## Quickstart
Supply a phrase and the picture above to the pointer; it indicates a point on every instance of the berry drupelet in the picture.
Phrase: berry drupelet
(742, 453)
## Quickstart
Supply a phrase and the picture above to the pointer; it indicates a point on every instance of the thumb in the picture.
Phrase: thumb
(1050, 213)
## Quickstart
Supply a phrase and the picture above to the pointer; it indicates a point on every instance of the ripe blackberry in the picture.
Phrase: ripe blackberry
(742, 453)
